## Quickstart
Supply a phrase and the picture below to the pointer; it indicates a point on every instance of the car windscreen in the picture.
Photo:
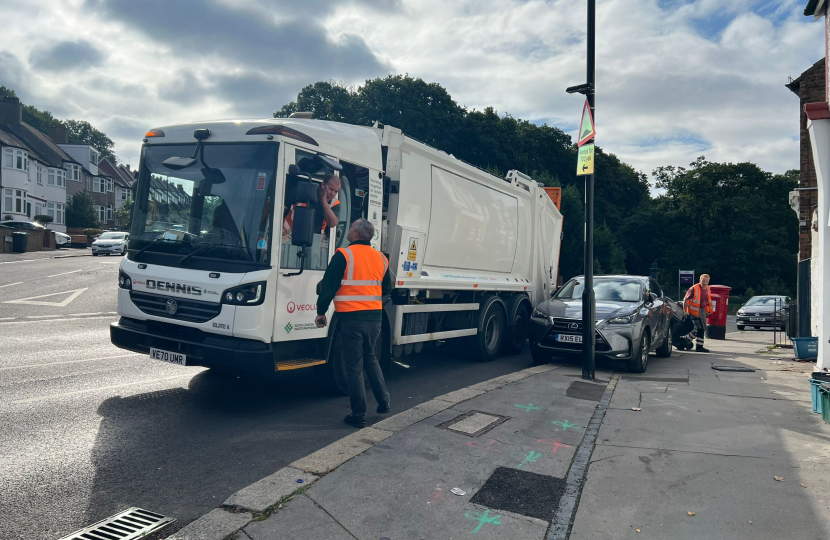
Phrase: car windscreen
(111, 236)
(221, 206)
(770, 301)
(605, 290)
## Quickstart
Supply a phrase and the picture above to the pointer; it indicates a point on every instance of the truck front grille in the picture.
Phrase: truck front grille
(186, 310)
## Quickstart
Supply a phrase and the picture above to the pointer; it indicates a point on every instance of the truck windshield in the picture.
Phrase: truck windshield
(221, 207)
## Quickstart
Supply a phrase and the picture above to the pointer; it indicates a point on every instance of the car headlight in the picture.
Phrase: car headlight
(625, 319)
(250, 294)
(538, 314)
(124, 281)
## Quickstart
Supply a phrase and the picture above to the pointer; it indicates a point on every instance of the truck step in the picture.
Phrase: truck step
(299, 364)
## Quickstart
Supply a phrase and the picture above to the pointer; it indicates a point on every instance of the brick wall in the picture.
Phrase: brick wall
(811, 90)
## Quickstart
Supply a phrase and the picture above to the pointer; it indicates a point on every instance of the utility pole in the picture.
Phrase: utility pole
(588, 299)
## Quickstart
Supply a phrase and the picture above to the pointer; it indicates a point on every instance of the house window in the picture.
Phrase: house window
(73, 172)
(40, 175)
(59, 214)
(97, 188)
(93, 157)
(110, 185)
(56, 211)
(100, 213)
(51, 177)
(15, 158)
(109, 212)
(60, 177)
(38, 209)
(88, 182)
(14, 200)
(125, 194)
(8, 158)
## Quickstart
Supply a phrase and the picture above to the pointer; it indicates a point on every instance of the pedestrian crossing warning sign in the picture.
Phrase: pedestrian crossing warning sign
(586, 126)
(413, 249)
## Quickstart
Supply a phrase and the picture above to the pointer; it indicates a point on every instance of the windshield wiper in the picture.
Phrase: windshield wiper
(207, 246)
(145, 248)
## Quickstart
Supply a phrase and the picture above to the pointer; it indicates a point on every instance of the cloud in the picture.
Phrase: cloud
(66, 56)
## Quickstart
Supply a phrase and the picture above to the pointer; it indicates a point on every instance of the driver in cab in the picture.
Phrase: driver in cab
(326, 199)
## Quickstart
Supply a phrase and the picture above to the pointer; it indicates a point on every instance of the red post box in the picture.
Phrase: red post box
(716, 322)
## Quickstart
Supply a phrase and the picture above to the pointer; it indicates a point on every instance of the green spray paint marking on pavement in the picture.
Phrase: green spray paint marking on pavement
(527, 407)
(530, 457)
(565, 425)
(482, 519)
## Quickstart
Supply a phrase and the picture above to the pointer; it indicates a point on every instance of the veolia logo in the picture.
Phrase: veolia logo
(291, 307)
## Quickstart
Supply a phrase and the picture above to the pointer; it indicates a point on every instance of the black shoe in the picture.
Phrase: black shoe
(701, 349)
(356, 421)
(384, 408)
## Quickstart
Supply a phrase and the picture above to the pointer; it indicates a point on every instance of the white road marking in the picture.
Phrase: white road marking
(24, 260)
(100, 388)
(58, 320)
(64, 273)
(87, 314)
(8, 319)
(10, 284)
(33, 300)
(113, 262)
(70, 361)
(41, 316)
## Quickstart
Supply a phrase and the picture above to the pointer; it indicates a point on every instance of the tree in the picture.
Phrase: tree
(44, 219)
(325, 100)
(81, 132)
(123, 216)
(80, 212)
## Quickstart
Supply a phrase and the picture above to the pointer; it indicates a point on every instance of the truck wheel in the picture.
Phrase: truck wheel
(639, 364)
(491, 330)
(539, 355)
(664, 350)
(517, 327)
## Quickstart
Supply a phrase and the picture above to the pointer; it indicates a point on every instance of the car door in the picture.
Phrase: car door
(656, 316)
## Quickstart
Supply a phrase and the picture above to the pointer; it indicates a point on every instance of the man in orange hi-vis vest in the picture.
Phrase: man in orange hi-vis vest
(698, 304)
(356, 280)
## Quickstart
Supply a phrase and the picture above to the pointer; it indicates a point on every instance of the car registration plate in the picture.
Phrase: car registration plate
(168, 356)
(756, 318)
(568, 338)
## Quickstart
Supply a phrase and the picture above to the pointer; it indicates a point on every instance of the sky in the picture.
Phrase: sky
(676, 79)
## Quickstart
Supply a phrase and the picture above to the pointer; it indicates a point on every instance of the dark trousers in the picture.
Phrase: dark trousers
(700, 330)
(359, 347)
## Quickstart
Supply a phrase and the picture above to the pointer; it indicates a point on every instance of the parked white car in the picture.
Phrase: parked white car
(111, 242)
(62, 240)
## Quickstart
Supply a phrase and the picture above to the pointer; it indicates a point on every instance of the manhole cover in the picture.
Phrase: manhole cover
(474, 423)
(127, 525)
(585, 390)
(521, 492)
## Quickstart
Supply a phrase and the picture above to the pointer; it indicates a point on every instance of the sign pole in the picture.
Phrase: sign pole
(585, 167)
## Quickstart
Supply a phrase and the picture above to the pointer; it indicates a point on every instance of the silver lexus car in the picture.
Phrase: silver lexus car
(633, 318)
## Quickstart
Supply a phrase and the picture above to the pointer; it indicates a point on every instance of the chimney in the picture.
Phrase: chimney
(58, 133)
(11, 112)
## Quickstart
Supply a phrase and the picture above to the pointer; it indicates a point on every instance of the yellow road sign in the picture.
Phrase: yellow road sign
(585, 161)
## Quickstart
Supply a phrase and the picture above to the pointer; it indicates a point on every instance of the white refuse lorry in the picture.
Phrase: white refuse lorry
(226, 248)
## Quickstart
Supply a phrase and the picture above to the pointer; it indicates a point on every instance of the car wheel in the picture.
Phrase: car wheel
(757, 327)
(741, 327)
(539, 355)
(492, 328)
(664, 350)
(94, 254)
(123, 252)
(639, 364)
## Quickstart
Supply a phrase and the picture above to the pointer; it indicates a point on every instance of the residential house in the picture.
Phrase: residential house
(94, 180)
(33, 170)
(123, 181)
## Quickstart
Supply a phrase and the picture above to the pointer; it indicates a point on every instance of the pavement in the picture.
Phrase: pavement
(682, 451)
(61, 253)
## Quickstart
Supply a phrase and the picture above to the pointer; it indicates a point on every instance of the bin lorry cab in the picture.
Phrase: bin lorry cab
(229, 241)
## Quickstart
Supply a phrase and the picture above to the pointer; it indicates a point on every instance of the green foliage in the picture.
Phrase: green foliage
(81, 132)
(729, 220)
(43, 219)
(123, 216)
(92, 231)
(80, 212)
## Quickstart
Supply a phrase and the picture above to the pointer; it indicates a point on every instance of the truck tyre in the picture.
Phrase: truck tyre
(538, 355)
(517, 325)
(664, 350)
(640, 363)
(492, 327)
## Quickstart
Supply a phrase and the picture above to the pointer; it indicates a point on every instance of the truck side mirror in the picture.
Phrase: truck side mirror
(302, 233)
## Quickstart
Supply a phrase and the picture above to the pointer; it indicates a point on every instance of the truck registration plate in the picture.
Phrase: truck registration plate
(168, 356)
(568, 338)
(756, 318)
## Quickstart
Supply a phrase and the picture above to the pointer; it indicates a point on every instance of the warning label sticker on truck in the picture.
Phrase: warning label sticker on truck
(413, 249)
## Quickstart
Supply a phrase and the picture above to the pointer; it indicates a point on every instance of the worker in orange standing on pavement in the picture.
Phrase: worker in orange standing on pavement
(698, 304)
(356, 280)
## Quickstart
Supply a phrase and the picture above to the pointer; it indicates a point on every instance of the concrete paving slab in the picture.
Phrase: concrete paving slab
(732, 497)
(268, 491)
(337, 453)
(301, 519)
(215, 525)
(461, 395)
(413, 415)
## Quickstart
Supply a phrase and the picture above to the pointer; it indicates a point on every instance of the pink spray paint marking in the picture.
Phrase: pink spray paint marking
(555, 444)
(435, 496)
(484, 448)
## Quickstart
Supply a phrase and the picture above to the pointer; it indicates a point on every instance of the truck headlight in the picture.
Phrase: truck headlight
(250, 294)
(124, 281)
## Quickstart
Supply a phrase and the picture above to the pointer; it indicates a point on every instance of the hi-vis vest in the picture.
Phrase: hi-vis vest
(288, 223)
(361, 285)
(692, 305)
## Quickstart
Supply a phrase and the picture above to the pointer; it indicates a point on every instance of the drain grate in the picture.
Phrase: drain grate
(127, 525)
(739, 369)
(474, 423)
